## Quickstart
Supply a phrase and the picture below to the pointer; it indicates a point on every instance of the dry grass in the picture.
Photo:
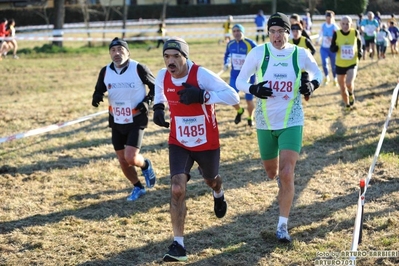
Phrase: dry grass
(62, 194)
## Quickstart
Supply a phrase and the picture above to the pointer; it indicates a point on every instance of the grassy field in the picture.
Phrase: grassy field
(63, 195)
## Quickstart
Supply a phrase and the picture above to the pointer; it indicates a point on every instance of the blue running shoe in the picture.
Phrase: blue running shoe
(149, 175)
(136, 193)
(282, 234)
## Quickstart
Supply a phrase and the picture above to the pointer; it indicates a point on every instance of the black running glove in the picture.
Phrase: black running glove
(307, 88)
(191, 94)
(159, 115)
(259, 91)
(97, 98)
(142, 107)
(359, 54)
(334, 48)
(149, 98)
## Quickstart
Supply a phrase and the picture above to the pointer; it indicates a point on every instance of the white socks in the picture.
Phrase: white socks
(282, 220)
(180, 240)
(218, 195)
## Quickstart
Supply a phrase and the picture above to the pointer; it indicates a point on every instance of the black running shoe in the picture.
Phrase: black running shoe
(176, 253)
(249, 122)
(351, 99)
(220, 207)
(237, 120)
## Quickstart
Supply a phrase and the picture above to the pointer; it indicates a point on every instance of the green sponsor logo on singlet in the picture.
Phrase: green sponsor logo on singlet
(281, 64)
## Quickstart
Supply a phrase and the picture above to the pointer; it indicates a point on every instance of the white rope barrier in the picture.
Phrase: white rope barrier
(49, 128)
(357, 231)
(142, 22)
(139, 38)
(140, 28)
(317, 19)
(94, 39)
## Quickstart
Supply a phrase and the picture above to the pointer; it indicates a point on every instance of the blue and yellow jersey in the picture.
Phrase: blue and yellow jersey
(236, 52)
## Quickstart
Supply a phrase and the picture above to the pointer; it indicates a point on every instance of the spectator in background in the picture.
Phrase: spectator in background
(298, 39)
(395, 36)
(3, 27)
(358, 27)
(392, 18)
(260, 22)
(369, 28)
(11, 43)
(295, 18)
(161, 35)
(236, 52)
(378, 17)
(227, 29)
(302, 41)
(383, 38)
(325, 36)
(307, 23)
(347, 44)
(3, 32)
(359, 21)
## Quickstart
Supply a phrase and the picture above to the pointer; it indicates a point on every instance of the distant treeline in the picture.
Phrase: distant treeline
(36, 16)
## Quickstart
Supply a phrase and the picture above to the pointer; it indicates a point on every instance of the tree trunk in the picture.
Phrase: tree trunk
(59, 9)
(124, 19)
(274, 6)
(163, 15)
(106, 10)
(86, 18)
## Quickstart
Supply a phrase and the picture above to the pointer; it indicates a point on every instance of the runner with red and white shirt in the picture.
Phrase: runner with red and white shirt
(191, 92)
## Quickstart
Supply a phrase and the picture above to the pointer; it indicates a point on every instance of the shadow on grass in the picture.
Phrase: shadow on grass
(238, 247)
(362, 94)
(65, 162)
(233, 250)
(245, 241)
(67, 132)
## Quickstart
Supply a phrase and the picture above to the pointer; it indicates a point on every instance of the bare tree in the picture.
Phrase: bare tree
(41, 10)
(163, 15)
(86, 18)
(106, 11)
(125, 7)
(107, 7)
(312, 6)
(274, 6)
(59, 9)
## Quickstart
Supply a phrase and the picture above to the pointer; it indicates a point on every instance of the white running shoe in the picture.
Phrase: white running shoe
(282, 234)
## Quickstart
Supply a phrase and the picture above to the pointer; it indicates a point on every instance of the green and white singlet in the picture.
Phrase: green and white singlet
(284, 108)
